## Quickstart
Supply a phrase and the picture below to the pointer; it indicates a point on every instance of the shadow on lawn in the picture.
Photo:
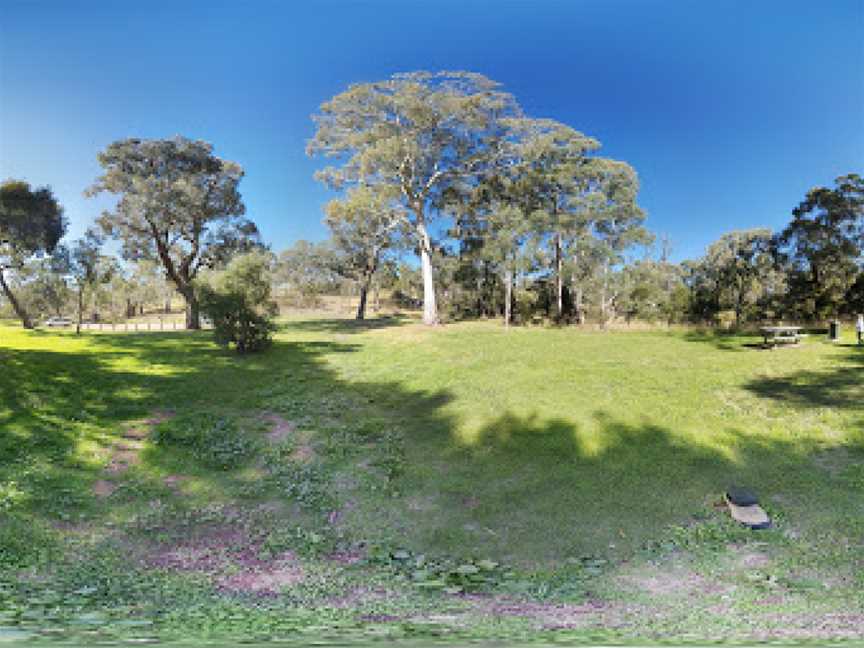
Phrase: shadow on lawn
(726, 340)
(53, 401)
(544, 488)
(841, 386)
(605, 490)
(347, 325)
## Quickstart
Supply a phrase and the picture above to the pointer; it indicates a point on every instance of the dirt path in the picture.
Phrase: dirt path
(126, 453)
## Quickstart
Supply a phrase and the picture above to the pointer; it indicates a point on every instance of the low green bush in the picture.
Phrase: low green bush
(237, 301)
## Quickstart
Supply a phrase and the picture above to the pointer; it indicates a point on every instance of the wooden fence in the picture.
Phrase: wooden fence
(140, 327)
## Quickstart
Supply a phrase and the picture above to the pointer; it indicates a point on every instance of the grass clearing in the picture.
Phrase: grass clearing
(467, 481)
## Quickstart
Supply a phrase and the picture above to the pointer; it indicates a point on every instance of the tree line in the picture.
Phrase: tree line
(507, 215)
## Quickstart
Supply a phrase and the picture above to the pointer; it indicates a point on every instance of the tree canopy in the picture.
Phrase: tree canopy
(179, 204)
(31, 223)
(417, 133)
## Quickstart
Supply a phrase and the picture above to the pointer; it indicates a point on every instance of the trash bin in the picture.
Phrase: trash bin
(834, 330)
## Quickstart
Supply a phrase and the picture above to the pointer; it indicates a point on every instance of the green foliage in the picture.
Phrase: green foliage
(218, 442)
(31, 223)
(178, 204)
(237, 301)
(305, 483)
(442, 573)
(823, 247)
(23, 543)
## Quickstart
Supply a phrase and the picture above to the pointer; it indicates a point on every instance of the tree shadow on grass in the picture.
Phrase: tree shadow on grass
(536, 491)
(58, 407)
(346, 325)
(840, 387)
(524, 488)
(725, 340)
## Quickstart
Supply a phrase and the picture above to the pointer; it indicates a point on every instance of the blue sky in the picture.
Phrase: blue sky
(729, 111)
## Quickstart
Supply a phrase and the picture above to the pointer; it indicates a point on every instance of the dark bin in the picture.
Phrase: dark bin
(834, 330)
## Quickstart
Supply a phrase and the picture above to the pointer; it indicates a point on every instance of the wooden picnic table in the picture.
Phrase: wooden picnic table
(774, 335)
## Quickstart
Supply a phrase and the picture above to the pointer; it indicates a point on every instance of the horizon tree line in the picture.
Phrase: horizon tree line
(508, 216)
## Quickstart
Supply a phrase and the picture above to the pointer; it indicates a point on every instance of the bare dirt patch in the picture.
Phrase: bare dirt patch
(136, 433)
(303, 453)
(267, 579)
(174, 482)
(103, 488)
(555, 615)
(831, 625)
(231, 557)
(122, 458)
(667, 580)
(126, 453)
(160, 416)
(470, 502)
(350, 555)
(281, 428)
(753, 559)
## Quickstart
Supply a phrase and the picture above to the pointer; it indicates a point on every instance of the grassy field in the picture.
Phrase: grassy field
(391, 480)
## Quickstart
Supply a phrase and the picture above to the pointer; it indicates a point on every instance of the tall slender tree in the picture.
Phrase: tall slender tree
(575, 194)
(88, 268)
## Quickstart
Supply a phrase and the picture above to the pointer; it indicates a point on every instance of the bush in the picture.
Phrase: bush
(238, 303)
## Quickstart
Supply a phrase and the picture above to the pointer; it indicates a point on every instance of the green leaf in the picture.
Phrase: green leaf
(466, 570)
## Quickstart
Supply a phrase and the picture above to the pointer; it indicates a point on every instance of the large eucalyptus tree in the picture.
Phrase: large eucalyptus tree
(179, 204)
(418, 133)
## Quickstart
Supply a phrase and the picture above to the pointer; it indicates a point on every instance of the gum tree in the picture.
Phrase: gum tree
(823, 247)
(178, 204)
(31, 223)
(581, 205)
(417, 133)
(88, 269)
(363, 226)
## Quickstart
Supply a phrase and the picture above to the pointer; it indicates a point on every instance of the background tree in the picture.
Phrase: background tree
(578, 199)
(493, 226)
(823, 248)
(738, 274)
(31, 223)
(308, 270)
(417, 133)
(363, 226)
(179, 204)
(41, 287)
(88, 268)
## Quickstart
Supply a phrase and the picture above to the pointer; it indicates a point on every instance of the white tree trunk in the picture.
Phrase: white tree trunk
(430, 308)
(559, 279)
(508, 296)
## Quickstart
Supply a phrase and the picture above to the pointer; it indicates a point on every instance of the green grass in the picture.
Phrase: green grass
(586, 464)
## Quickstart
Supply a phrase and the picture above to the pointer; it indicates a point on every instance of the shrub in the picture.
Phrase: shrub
(237, 301)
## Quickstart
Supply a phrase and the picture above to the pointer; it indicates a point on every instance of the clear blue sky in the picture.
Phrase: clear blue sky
(729, 111)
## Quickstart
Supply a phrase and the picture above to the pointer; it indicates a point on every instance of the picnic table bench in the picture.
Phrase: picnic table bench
(774, 335)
